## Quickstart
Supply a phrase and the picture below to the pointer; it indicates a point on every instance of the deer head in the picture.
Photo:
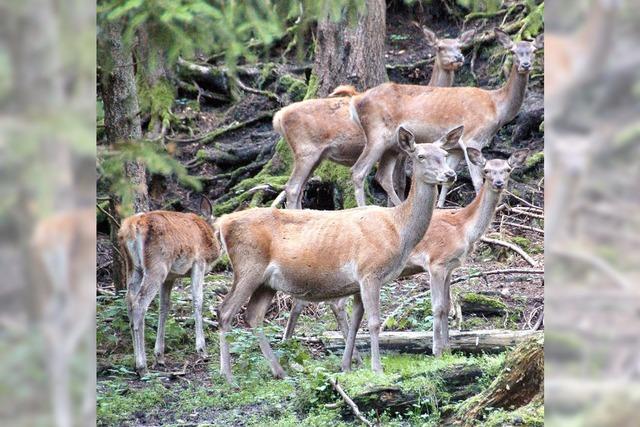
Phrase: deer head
(523, 51)
(430, 160)
(497, 171)
(448, 51)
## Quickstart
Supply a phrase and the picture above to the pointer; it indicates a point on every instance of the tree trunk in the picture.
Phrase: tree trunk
(351, 54)
(122, 122)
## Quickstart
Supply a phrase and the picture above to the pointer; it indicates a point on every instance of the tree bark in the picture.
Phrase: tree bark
(351, 54)
(122, 123)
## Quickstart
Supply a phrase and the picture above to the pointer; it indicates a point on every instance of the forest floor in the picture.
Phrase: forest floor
(190, 391)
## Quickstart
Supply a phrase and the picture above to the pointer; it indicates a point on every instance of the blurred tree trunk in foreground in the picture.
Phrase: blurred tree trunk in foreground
(122, 123)
(351, 54)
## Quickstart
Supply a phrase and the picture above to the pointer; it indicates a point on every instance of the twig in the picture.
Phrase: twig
(491, 272)
(522, 200)
(350, 402)
(526, 227)
(527, 213)
(278, 200)
(411, 65)
(266, 93)
(111, 217)
(513, 247)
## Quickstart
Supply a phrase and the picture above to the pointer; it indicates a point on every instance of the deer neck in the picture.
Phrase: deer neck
(414, 214)
(441, 77)
(480, 212)
(510, 97)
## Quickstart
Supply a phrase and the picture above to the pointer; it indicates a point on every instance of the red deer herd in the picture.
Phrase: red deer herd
(331, 255)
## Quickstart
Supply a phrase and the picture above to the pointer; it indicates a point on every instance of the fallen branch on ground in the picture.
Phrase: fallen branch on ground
(210, 136)
(525, 227)
(350, 402)
(489, 341)
(491, 272)
(517, 249)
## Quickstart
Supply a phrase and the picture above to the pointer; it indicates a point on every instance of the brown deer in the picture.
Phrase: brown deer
(319, 129)
(323, 255)
(429, 111)
(451, 237)
(161, 246)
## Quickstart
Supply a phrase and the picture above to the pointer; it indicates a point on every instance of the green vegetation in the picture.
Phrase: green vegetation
(483, 300)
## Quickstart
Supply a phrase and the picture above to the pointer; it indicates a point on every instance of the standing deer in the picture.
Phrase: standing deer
(161, 246)
(451, 237)
(430, 111)
(319, 129)
(322, 255)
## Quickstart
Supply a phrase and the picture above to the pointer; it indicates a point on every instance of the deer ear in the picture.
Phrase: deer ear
(406, 139)
(476, 157)
(466, 37)
(206, 210)
(431, 37)
(451, 141)
(503, 38)
(539, 41)
(518, 157)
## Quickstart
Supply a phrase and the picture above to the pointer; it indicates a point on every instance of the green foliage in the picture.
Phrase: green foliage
(416, 317)
(156, 100)
(152, 155)
(484, 300)
(229, 28)
(296, 88)
(480, 5)
(534, 21)
(535, 159)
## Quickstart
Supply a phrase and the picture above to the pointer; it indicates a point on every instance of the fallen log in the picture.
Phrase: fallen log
(487, 341)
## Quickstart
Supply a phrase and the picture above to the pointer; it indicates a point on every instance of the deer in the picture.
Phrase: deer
(319, 129)
(160, 247)
(323, 255)
(429, 111)
(451, 236)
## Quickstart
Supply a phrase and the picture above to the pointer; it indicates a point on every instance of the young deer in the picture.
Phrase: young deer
(319, 129)
(322, 255)
(161, 246)
(451, 236)
(430, 111)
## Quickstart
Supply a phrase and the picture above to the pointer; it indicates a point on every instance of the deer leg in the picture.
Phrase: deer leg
(256, 309)
(242, 289)
(476, 176)
(447, 307)
(298, 306)
(338, 309)
(302, 168)
(197, 281)
(373, 151)
(440, 308)
(165, 306)
(385, 175)
(370, 292)
(452, 160)
(356, 319)
(138, 303)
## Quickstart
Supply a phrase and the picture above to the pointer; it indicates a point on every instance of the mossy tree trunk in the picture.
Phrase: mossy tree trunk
(521, 382)
(122, 122)
(348, 53)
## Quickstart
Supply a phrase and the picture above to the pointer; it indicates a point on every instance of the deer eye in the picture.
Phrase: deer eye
(420, 157)
(486, 171)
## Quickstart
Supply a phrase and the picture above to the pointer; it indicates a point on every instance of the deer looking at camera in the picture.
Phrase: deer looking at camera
(160, 247)
(451, 237)
(429, 111)
(319, 129)
(323, 255)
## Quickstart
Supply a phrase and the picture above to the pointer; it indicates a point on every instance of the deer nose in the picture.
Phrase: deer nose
(526, 65)
(460, 57)
(499, 184)
(451, 175)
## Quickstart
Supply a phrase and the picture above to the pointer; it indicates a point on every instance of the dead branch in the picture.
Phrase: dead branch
(492, 272)
(210, 136)
(517, 249)
(279, 200)
(350, 402)
(525, 227)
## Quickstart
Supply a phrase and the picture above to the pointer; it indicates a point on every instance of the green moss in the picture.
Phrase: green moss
(473, 298)
(156, 100)
(535, 159)
(296, 88)
(531, 415)
(312, 87)
(116, 402)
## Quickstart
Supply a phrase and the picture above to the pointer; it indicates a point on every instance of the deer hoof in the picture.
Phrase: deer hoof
(141, 371)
